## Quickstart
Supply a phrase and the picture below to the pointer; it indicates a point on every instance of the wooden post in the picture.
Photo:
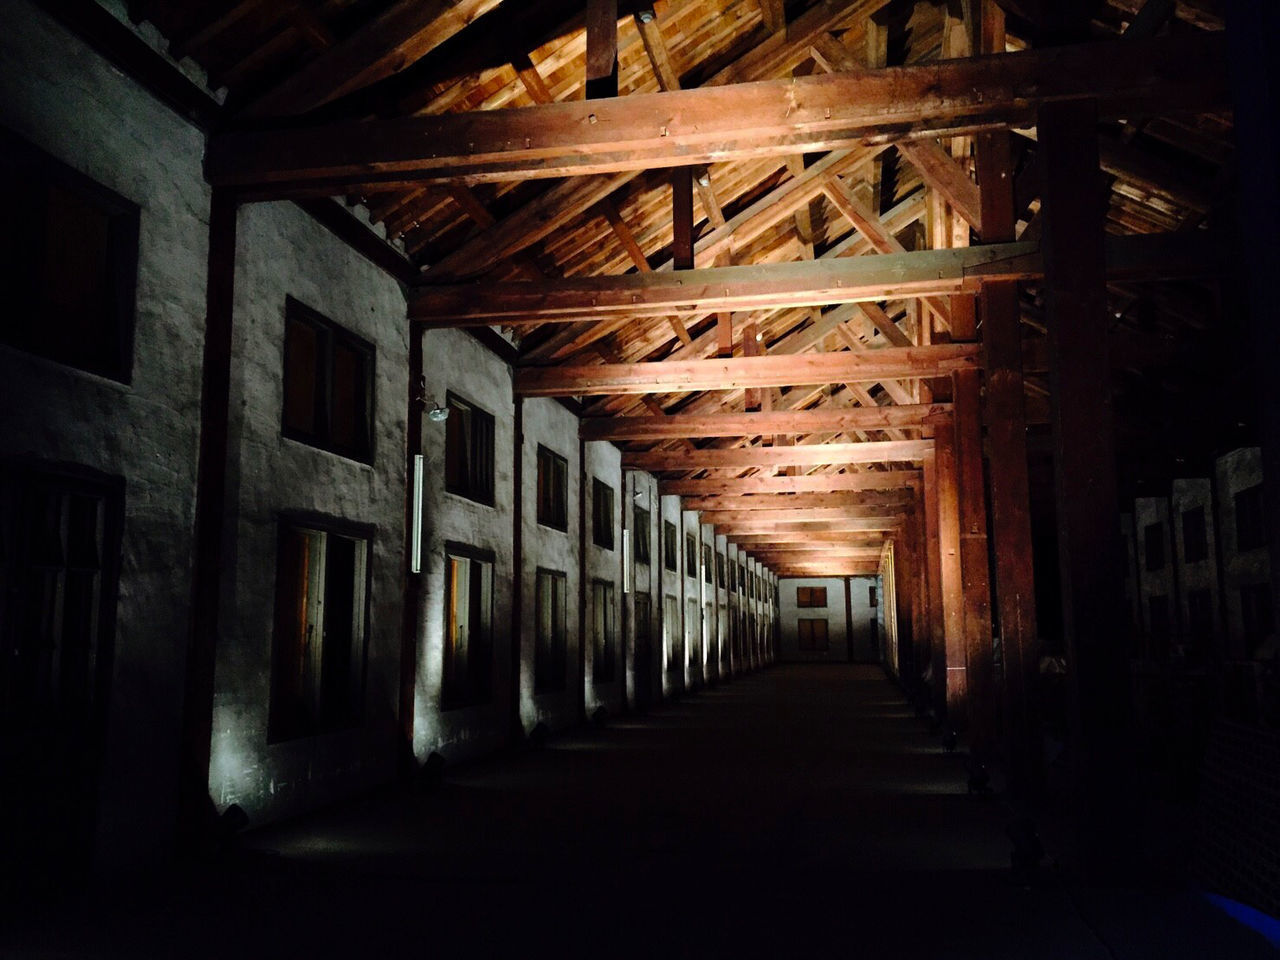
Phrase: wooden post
(937, 620)
(952, 579)
(975, 570)
(1085, 471)
(196, 811)
(412, 581)
(583, 592)
(682, 218)
(517, 567)
(602, 49)
(848, 620)
(1007, 451)
(751, 348)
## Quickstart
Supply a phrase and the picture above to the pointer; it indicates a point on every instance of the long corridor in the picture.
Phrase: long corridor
(799, 811)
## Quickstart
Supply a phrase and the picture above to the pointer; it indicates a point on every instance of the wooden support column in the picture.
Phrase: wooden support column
(1007, 453)
(196, 811)
(602, 49)
(517, 566)
(1089, 549)
(974, 562)
(582, 580)
(751, 348)
(848, 619)
(926, 543)
(682, 218)
(412, 581)
(937, 618)
(952, 578)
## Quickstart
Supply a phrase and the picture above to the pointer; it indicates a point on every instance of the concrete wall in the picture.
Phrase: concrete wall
(724, 665)
(1197, 576)
(59, 95)
(644, 656)
(551, 425)
(1235, 472)
(479, 377)
(281, 252)
(604, 461)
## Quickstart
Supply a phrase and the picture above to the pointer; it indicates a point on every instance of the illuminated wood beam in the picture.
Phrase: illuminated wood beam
(807, 536)
(879, 480)
(772, 528)
(880, 451)
(805, 283)
(781, 117)
(733, 373)
(797, 515)
(795, 423)
(878, 499)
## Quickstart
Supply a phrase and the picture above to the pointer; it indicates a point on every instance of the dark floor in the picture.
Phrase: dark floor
(799, 811)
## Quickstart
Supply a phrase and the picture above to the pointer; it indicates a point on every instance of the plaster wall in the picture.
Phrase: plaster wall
(58, 94)
(694, 605)
(1200, 575)
(833, 613)
(644, 653)
(455, 363)
(1157, 588)
(723, 665)
(549, 424)
(1235, 472)
(604, 462)
(281, 252)
(673, 589)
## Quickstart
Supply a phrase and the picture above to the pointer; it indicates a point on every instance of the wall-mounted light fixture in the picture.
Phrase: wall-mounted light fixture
(436, 413)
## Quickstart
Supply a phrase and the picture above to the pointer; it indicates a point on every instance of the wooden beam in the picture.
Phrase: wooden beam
(806, 535)
(707, 290)
(400, 36)
(602, 42)
(771, 528)
(792, 422)
(1095, 625)
(871, 452)
(952, 577)
(733, 373)
(878, 499)
(682, 218)
(797, 515)
(805, 283)
(879, 480)
(802, 114)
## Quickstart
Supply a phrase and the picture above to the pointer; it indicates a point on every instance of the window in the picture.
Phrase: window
(1251, 524)
(640, 536)
(603, 631)
(317, 666)
(742, 578)
(670, 560)
(1256, 614)
(872, 599)
(468, 629)
(468, 451)
(1195, 541)
(68, 263)
(690, 556)
(1153, 542)
(549, 652)
(719, 569)
(706, 563)
(328, 376)
(671, 633)
(553, 485)
(1200, 618)
(811, 596)
(812, 635)
(601, 514)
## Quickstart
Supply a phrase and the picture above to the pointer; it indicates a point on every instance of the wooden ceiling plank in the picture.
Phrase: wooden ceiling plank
(400, 36)
(806, 483)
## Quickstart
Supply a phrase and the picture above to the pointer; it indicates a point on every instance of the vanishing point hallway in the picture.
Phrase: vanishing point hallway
(786, 813)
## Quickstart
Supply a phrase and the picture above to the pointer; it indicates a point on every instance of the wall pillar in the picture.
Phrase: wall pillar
(951, 577)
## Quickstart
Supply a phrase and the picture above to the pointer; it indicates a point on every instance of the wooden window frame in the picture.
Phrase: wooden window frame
(604, 648)
(477, 492)
(549, 676)
(691, 556)
(812, 597)
(808, 644)
(329, 336)
(553, 508)
(642, 530)
(602, 517)
(279, 728)
(670, 547)
(474, 693)
(27, 326)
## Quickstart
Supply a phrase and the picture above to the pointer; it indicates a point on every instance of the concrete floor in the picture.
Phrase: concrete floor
(803, 810)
